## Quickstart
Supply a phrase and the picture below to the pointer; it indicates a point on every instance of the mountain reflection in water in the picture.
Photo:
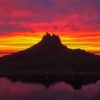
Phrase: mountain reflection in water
(57, 91)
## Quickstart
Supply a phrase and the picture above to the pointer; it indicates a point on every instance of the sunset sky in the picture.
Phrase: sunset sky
(24, 22)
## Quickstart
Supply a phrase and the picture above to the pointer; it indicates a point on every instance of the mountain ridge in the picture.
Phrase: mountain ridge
(49, 61)
(52, 41)
(51, 52)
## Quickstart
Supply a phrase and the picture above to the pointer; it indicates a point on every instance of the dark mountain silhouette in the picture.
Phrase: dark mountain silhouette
(50, 58)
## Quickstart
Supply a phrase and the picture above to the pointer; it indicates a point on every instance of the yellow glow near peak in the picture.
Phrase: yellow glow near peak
(17, 43)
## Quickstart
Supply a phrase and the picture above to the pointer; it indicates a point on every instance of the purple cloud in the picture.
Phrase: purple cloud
(23, 91)
(76, 15)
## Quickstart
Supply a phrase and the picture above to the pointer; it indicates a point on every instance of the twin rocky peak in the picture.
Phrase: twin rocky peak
(50, 42)
(51, 39)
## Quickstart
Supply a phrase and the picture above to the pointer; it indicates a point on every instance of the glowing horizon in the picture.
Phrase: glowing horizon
(24, 22)
(10, 44)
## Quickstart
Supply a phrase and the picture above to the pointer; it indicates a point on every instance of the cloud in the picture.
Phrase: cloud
(11, 28)
(76, 15)
(23, 91)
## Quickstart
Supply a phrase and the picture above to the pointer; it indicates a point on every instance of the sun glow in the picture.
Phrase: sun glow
(11, 44)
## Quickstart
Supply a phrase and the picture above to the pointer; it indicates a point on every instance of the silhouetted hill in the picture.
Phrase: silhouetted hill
(50, 56)
(49, 61)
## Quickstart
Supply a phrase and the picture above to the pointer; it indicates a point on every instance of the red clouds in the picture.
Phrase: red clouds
(64, 17)
(76, 16)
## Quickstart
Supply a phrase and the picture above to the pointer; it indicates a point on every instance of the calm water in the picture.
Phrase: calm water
(58, 91)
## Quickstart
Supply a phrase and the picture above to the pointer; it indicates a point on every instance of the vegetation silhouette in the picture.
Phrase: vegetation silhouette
(49, 61)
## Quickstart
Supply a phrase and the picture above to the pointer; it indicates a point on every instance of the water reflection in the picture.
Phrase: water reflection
(58, 91)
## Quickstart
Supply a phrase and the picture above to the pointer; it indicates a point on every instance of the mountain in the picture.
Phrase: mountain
(50, 56)
(49, 61)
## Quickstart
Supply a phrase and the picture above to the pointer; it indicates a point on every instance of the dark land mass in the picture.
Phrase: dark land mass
(49, 61)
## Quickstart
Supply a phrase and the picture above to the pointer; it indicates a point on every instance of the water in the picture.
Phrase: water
(57, 91)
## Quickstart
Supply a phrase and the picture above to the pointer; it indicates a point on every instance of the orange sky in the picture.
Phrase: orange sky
(12, 43)
(24, 22)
